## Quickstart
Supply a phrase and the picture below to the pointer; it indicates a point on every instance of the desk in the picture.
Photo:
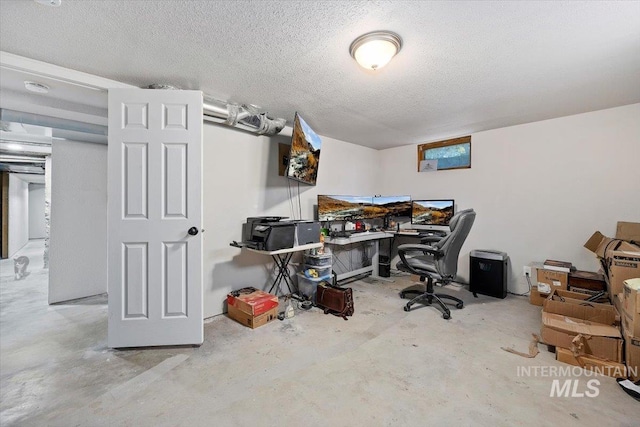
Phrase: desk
(430, 235)
(282, 258)
(373, 236)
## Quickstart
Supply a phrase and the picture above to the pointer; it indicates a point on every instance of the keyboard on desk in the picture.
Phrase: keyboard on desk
(424, 233)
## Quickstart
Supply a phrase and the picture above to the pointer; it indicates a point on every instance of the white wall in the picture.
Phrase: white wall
(539, 189)
(18, 214)
(241, 180)
(78, 247)
(36, 211)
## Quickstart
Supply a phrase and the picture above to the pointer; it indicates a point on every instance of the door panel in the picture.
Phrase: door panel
(155, 197)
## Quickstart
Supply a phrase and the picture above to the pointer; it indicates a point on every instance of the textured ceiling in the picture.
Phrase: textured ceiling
(464, 66)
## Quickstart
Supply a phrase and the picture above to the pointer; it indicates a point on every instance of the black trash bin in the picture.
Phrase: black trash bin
(488, 273)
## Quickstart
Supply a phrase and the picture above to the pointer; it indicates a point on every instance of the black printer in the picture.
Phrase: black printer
(247, 227)
(270, 233)
(272, 236)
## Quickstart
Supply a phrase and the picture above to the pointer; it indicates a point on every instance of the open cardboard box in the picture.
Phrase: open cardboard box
(621, 257)
(572, 304)
(606, 367)
(547, 281)
(582, 336)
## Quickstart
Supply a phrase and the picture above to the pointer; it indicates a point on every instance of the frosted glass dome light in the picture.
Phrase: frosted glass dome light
(374, 50)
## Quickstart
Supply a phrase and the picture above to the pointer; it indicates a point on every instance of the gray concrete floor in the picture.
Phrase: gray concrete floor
(382, 367)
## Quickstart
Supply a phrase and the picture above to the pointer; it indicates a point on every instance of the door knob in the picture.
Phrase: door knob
(193, 231)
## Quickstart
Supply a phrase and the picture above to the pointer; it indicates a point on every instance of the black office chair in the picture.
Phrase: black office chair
(437, 262)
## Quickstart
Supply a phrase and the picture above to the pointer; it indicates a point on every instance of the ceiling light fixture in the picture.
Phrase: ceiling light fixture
(36, 87)
(374, 50)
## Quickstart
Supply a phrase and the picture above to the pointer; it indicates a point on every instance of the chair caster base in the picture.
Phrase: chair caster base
(407, 308)
(446, 315)
(459, 305)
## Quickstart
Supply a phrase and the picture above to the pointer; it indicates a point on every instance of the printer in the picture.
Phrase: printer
(247, 227)
(272, 236)
(271, 233)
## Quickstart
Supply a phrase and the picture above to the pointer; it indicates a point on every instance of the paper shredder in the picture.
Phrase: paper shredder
(488, 275)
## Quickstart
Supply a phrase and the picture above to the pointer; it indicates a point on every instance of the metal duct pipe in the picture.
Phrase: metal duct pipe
(245, 117)
(51, 122)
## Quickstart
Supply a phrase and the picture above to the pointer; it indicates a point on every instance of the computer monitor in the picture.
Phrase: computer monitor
(432, 212)
(393, 206)
(348, 208)
(343, 208)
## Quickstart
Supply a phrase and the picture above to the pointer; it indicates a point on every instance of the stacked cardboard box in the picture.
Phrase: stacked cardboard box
(619, 256)
(620, 260)
(589, 332)
(630, 302)
(547, 281)
(252, 307)
(586, 282)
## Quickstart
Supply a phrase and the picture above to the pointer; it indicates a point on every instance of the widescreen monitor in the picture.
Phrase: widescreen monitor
(431, 212)
(342, 208)
(348, 208)
(304, 155)
(393, 206)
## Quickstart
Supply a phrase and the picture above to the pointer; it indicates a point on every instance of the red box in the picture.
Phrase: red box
(252, 301)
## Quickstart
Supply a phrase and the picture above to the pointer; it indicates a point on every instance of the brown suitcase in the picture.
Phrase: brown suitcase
(334, 300)
(587, 280)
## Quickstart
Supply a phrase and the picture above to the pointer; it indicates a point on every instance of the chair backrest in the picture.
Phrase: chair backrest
(460, 225)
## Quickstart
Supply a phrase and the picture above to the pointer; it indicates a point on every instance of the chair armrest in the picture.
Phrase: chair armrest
(425, 249)
(430, 239)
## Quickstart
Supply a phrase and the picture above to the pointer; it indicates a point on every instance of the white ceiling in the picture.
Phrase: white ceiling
(464, 66)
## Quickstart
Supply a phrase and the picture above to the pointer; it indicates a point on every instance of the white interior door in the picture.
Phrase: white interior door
(155, 202)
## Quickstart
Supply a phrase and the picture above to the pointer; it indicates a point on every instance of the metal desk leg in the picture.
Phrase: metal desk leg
(282, 264)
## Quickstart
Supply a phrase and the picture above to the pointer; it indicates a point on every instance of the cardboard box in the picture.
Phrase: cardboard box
(550, 280)
(629, 231)
(535, 297)
(252, 301)
(572, 304)
(252, 321)
(631, 324)
(602, 246)
(622, 265)
(630, 302)
(606, 367)
(617, 302)
(631, 297)
(598, 244)
(632, 356)
(582, 337)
